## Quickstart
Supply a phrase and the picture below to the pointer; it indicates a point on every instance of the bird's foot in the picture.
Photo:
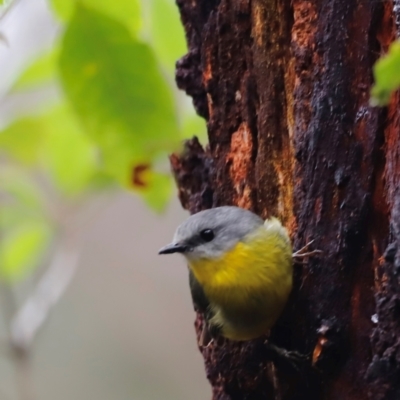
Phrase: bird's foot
(208, 334)
(302, 253)
(295, 359)
(205, 337)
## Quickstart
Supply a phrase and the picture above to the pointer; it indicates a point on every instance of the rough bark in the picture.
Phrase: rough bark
(284, 87)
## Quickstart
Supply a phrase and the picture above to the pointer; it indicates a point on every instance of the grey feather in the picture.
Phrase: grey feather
(229, 224)
(199, 298)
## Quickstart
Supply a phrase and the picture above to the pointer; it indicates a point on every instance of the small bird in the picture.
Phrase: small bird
(241, 270)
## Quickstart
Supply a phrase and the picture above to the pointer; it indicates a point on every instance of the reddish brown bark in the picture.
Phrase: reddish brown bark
(284, 87)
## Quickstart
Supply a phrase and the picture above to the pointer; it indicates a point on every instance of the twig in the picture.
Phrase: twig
(24, 322)
(30, 317)
(24, 375)
(274, 380)
(52, 285)
(8, 8)
(23, 368)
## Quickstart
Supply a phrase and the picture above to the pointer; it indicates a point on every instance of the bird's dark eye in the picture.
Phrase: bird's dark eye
(207, 235)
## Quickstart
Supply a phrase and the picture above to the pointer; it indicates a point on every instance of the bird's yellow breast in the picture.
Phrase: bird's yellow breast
(253, 279)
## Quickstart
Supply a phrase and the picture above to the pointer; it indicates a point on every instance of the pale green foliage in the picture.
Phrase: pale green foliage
(387, 75)
(42, 71)
(113, 83)
(166, 32)
(21, 249)
(25, 229)
(22, 141)
(116, 118)
(56, 142)
(126, 12)
(23, 197)
(67, 153)
(159, 189)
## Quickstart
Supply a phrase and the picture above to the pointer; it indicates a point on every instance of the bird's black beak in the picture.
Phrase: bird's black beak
(173, 248)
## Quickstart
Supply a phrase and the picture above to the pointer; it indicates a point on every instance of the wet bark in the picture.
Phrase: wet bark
(284, 87)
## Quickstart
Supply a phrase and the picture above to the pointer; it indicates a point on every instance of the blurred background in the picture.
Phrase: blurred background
(88, 114)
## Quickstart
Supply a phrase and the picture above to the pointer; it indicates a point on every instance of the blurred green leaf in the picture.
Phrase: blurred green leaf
(22, 139)
(193, 125)
(126, 12)
(41, 70)
(117, 90)
(167, 32)
(159, 191)
(21, 249)
(53, 140)
(68, 153)
(9, 217)
(387, 75)
(19, 188)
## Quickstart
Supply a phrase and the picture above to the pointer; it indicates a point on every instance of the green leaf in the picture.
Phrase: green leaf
(157, 190)
(23, 139)
(126, 12)
(21, 202)
(21, 249)
(54, 141)
(41, 70)
(193, 125)
(68, 153)
(168, 37)
(387, 75)
(20, 189)
(118, 92)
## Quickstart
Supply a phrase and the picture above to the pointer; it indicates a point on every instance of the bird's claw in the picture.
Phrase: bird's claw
(295, 359)
(302, 253)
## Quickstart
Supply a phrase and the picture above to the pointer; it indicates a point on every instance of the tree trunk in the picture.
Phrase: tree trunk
(284, 87)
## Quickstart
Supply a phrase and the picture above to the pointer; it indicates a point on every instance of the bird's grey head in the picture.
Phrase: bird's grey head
(210, 233)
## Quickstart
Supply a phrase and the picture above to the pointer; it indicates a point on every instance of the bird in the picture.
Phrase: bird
(240, 270)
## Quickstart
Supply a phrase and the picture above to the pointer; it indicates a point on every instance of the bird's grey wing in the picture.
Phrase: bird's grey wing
(199, 298)
(201, 304)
